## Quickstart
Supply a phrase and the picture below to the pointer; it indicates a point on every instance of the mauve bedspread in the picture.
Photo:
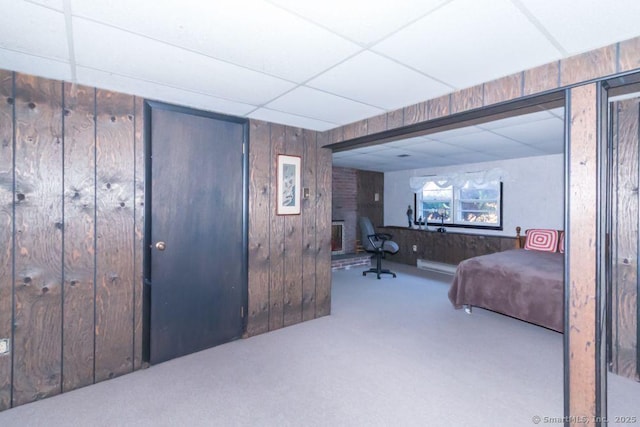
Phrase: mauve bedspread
(528, 285)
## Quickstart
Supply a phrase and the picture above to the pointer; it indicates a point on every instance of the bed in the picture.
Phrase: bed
(527, 284)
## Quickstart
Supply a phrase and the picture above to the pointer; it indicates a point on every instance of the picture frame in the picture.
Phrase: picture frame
(288, 185)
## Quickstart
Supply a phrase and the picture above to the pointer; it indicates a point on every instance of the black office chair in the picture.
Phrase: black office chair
(378, 244)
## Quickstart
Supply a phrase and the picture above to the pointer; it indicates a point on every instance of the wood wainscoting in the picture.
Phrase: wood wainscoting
(448, 248)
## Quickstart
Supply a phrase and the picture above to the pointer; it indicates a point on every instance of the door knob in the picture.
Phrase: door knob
(161, 246)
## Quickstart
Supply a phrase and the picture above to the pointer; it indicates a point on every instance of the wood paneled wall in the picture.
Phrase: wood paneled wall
(289, 256)
(71, 213)
(624, 239)
(68, 283)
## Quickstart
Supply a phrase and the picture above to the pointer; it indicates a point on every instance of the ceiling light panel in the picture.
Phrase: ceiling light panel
(467, 42)
(290, 119)
(108, 49)
(323, 106)
(250, 33)
(364, 21)
(373, 79)
(590, 25)
(32, 29)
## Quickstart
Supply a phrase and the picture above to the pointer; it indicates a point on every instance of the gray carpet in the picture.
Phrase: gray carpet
(393, 353)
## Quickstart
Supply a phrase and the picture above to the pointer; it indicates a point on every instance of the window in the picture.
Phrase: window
(467, 204)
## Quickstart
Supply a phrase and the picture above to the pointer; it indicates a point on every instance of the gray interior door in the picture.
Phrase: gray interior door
(196, 250)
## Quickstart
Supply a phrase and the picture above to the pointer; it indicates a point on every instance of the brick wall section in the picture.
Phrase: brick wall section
(345, 203)
(354, 196)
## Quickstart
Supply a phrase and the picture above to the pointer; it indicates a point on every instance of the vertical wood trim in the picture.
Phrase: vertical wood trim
(114, 234)
(293, 242)
(138, 249)
(323, 228)
(6, 230)
(37, 342)
(276, 243)
(79, 238)
(259, 227)
(309, 213)
(581, 249)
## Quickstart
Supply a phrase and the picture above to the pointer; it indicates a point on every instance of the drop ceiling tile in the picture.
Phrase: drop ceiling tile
(323, 106)
(375, 80)
(467, 42)
(363, 21)
(514, 151)
(472, 158)
(437, 148)
(343, 154)
(550, 147)
(550, 130)
(51, 4)
(36, 65)
(290, 119)
(592, 25)
(516, 120)
(108, 49)
(32, 29)
(368, 150)
(154, 91)
(394, 152)
(454, 133)
(481, 141)
(250, 33)
(408, 142)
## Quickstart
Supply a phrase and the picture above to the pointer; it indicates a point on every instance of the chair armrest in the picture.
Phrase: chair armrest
(384, 236)
(373, 242)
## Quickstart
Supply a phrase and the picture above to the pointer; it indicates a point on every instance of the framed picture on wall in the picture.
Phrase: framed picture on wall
(288, 185)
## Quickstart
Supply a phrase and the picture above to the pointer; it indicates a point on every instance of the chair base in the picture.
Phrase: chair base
(378, 272)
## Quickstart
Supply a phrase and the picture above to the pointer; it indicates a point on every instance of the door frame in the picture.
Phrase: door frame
(146, 252)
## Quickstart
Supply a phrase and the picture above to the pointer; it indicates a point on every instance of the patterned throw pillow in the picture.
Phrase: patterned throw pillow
(561, 243)
(541, 239)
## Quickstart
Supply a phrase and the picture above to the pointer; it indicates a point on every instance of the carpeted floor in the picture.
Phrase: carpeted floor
(393, 353)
